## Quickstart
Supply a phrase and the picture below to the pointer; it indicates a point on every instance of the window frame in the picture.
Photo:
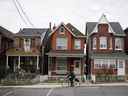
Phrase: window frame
(119, 42)
(27, 45)
(62, 43)
(104, 63)
(77, 42)
(60, 30)
(101, 41)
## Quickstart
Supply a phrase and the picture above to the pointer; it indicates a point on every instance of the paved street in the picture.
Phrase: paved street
(76, 91)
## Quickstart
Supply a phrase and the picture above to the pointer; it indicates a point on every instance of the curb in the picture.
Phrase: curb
(66, 86)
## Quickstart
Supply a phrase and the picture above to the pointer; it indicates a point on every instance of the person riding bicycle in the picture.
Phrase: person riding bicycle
(71, 76)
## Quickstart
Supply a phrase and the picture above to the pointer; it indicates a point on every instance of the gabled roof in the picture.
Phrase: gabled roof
(115, 26)
(6, 32)
(32, 32)
(126, 30)
(74, 30)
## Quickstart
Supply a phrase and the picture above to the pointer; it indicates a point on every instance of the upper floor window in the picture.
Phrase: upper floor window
(61, 43)
(118, 43)
(110, 43)
(103, 42)
(61, 30)
(77, 44)
(103, 28)
(27, 44)
(94, 42)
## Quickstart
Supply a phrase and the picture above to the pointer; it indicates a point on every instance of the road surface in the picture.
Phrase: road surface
(75, 91)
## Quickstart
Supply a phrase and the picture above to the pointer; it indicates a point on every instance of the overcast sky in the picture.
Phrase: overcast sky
(77, 12)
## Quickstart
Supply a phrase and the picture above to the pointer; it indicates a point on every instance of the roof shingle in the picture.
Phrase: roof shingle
(115, 26)
(32, 32)
(74, 30)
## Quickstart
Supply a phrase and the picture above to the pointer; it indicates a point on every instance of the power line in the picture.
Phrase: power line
(24, 13)
(19, 12)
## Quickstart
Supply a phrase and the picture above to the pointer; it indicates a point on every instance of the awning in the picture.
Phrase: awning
(50, 54)
(109, 56)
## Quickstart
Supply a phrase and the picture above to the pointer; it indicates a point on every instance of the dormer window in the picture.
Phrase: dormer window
(61, 31)
(103, 42)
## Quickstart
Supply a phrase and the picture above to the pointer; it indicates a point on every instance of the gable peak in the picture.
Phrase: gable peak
(103, 19)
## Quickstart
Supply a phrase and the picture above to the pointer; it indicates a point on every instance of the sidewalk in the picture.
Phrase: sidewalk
(59, 85)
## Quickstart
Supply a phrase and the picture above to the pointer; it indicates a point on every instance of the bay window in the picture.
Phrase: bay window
(103, 42)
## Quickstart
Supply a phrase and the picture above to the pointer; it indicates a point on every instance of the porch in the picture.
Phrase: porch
(27, 63)
(59, 64)
(19, 59)
(109, 67)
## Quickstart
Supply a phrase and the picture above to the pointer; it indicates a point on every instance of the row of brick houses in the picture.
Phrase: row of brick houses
(101, 52)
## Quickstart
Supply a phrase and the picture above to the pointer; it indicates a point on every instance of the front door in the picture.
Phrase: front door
(77, 67)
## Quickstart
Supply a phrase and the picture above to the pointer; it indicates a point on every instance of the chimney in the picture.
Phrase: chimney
(50, 26)
(54, 27)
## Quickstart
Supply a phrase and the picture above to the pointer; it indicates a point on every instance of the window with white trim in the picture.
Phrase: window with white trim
(94, 42)
(77, 44)
(61, 43)
(27, 44)
(103, 42)
(118, 44)
(104, 63)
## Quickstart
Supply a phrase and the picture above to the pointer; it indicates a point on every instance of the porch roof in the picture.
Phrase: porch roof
(52, 54)
(14, 52)
(119, 55)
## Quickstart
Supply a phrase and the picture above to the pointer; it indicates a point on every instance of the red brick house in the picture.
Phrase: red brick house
(105, 50)
(67, 50)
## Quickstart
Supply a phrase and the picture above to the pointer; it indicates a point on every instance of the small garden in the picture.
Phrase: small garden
(108, 75)
(20, 77)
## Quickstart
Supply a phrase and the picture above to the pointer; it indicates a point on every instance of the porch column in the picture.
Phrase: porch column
(7, 67)
(37, 65)
(18, 62)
